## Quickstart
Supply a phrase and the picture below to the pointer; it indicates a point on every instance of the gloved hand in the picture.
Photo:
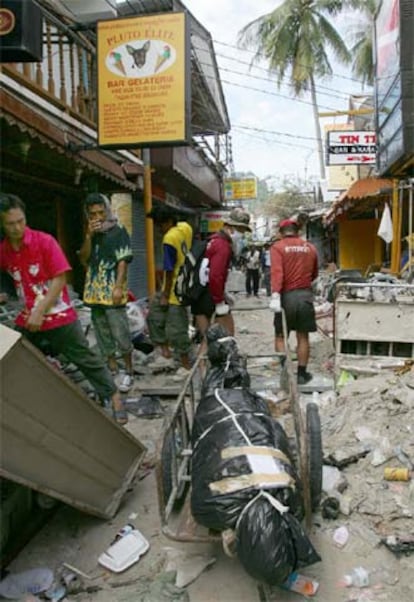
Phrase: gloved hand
(222, 309)
(275, 304)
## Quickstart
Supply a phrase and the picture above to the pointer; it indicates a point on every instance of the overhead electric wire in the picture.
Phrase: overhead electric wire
(292, 99)
(352, 79)
(319, 87)
(272, 140)
(267, 79)
(247, 127)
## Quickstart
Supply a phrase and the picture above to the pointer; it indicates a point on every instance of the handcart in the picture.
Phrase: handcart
(173, 469)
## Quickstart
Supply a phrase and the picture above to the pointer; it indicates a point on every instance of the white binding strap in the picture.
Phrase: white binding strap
(273, 501)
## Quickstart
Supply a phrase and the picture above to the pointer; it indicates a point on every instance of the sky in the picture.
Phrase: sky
(272, 133)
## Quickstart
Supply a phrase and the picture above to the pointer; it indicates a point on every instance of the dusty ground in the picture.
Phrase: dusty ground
(78, 539)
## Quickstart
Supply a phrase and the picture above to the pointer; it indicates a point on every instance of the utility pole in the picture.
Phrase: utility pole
(149, 225)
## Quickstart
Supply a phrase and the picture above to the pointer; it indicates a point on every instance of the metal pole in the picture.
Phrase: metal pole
(149, 226)
(396, 218)
(410, 230)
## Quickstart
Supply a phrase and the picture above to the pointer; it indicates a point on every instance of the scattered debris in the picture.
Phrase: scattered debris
(33, 581)
(341, 536)
(301, 585)
(399, 545)
(147, 406)
(187, 567)
(129, 545)
(330, 508)
(368, 424)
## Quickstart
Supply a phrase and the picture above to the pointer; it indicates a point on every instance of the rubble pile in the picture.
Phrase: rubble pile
(367, 427)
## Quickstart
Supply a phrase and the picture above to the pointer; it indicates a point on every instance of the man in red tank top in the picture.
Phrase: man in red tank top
(294, 266)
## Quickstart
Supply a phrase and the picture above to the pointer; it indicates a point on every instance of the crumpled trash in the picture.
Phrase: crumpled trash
(147, 406)
(330, 508)
(333, 480)
(163, 589)
(33, 581)
(187, 567)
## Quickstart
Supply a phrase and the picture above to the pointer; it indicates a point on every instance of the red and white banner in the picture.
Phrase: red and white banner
(351, 148)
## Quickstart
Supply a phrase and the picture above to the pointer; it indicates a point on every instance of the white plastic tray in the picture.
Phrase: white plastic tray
(125, 552)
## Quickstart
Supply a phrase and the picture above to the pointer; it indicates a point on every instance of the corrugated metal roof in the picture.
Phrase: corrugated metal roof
(361, 189)
(365, 187)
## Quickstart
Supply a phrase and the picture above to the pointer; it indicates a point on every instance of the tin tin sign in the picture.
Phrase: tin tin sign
(351, 148)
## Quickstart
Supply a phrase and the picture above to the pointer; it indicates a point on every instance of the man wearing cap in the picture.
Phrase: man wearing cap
(168, 319)
(218, 254)
(294, 266)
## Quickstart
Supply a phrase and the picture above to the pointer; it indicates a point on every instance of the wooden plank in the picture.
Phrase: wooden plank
(58, 441)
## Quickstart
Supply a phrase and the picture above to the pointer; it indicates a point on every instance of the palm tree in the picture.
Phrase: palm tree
(294, 39)
(362, 50)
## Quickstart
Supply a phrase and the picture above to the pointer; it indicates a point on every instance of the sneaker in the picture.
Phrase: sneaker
(303, 379)
(126, 382)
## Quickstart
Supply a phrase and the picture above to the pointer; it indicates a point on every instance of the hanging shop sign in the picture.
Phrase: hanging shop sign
(212, 221)
(143, 81)
(351, 148)
(239, 189)
(20, 32)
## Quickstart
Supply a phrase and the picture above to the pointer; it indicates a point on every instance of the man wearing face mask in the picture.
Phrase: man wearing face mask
(219, 253)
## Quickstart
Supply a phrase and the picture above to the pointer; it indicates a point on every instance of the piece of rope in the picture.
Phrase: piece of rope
(233, 416)
(273, 501)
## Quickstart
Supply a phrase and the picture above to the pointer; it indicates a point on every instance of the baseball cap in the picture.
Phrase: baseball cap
(239, 219)
(288, 223)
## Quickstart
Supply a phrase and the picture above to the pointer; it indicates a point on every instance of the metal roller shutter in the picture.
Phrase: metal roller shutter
(137, 273)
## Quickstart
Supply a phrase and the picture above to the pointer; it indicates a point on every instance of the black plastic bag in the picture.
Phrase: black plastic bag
(231, 376)
(271, 545)
(213, 431)
(220, 345)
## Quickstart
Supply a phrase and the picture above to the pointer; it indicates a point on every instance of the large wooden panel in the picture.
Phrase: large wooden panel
(55, 439)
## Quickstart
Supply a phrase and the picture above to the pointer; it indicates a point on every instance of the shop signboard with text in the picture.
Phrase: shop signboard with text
(212, 221)
(351, 147)
(143, 81)
(240, 189)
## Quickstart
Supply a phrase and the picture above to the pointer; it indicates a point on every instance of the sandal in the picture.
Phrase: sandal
(120, 416)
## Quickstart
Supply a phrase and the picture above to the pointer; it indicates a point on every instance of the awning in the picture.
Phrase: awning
(47, 134)
(360, 196)
(186, 174)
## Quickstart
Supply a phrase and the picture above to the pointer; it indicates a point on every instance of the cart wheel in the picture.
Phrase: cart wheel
(314, 439)
(173, 443)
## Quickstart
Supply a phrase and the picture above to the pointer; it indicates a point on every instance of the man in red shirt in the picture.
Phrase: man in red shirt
(218, 255)
(294, 266)
(38, 268)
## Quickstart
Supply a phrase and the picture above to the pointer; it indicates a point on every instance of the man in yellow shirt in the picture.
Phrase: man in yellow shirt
(168, 319)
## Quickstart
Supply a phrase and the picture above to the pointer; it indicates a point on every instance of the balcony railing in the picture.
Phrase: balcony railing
(66, 76)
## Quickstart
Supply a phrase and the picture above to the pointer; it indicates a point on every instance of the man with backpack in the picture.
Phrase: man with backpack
(218, 256)
(167, 318)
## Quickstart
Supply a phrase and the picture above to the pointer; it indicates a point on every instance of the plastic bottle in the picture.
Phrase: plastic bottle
(358, 577)
(301, 584)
